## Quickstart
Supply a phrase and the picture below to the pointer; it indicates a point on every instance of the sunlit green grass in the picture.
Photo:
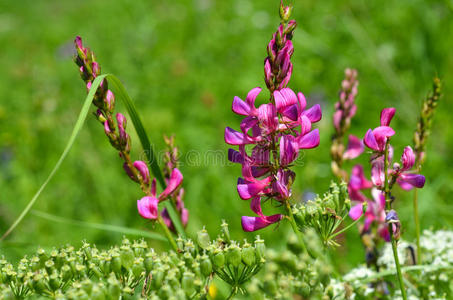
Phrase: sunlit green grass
(182, 62)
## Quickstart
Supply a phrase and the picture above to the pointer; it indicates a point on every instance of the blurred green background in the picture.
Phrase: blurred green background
(182, 62)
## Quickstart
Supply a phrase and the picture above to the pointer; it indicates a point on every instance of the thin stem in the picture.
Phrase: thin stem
(346, 228)
(167, 233)
(295, 229)
(233, 292)
(417, 227)
(387, 208)
(398, 267)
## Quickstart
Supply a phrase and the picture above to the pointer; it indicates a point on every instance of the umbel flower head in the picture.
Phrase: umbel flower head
(272, 134)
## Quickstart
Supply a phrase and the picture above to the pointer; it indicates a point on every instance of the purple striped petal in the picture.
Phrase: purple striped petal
(354, 149)
(291, 112)
(235, 156)
(314, 113)
(381, 134)
(289, 149)
(233, 137)
(408, 158)
(305, 125)
(302, 101)
(147, 207)
(255, 223)
(251, 96)
(387, 115)
(310, 140)
(377, 173)
(267, 114)
(174, 182)
(240, 107)
(249, 190)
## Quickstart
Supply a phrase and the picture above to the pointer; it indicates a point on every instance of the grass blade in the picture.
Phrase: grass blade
(146, 145)
(99, 226)
(75, 131)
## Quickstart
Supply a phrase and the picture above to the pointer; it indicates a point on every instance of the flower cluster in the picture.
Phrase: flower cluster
(378, 210)
(138, 171)
(276, 131)
(345, 109)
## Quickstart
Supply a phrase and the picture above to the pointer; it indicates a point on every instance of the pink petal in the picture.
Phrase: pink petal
(357, 171)
(174, 182)
(284, 98)
(153, 188)
(255, 206)
(143, 169)
(302, 101)
(337, 119)
(249, 190)
(408, 158)
(310, 140)
(233, 137)
(251, 96)
(240, 107)
(255, 223)
(381, 134)
(267, 114)
(147, 207)
(291, 112)
(356, 211)
(247, 123)
(370, 141)
(377, 173)
(260, 155)
(354, 149)
(305, 125)
(387, 115)
(314, 113)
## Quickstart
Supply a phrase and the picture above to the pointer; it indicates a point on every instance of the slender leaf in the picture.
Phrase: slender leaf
(75, 131)
(146, 145)
(105, 227)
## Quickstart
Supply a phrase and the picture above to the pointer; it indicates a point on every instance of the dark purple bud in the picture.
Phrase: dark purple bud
(129, 172)
(393, 220)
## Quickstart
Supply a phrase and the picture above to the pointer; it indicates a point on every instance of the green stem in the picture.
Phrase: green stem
(167, 232)
(387, 208)
(292, 221)
(417, 227)
(346, 228)
(233, 292)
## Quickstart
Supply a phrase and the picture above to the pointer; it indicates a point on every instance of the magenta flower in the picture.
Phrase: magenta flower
(148, 205)
(375, 139)
(255, 223)
(357, 183)
(354, 149)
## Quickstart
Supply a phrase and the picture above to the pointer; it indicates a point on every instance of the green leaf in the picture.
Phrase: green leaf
(147, 147)
(105, 227)
(121, 91)
(75, 131)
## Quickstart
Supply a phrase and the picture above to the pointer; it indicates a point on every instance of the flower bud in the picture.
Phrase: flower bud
(187, 283)
(203, 238)
(218, 258)
(225, 231)
(205, 266)
(127, 257)
(248, 255)
(260, 249)
(233, 255)
(54, 281)
(116, 263)
(285, 12)
(114, 288)
(137, 267)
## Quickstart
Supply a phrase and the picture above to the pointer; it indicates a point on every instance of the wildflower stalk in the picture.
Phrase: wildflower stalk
(167, 233)
(420, 137)
(388, 205)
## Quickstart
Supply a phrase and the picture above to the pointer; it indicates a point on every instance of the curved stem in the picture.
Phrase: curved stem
(167, 232)
(387, 208)
(417, 227)
(346, 228)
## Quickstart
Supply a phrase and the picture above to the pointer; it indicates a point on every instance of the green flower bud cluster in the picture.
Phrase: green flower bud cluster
(325, 214)
(291, 274)
(232, 262)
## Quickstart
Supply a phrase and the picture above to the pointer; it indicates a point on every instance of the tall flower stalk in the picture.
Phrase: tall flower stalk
(383, 179)
(272, 134)
(421, 135)
(115, 130)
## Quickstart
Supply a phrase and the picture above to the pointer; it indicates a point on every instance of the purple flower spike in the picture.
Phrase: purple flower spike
(148, 207)
(143, 169)
(387, 116)
(409, 181)
(250, 224)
